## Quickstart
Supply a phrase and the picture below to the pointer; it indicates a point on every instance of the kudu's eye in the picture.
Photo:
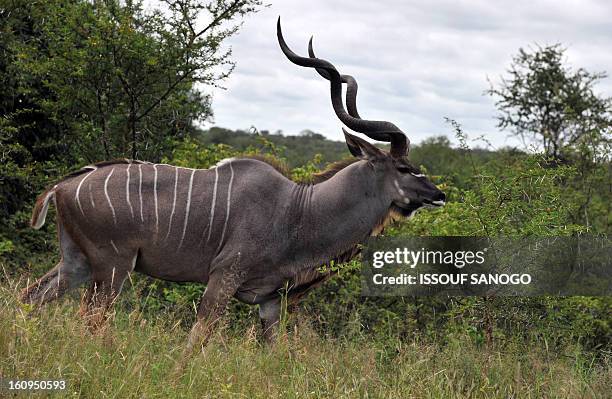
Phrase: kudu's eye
(404, 169)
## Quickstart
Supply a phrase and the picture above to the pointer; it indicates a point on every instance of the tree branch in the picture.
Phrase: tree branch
(220, 17)
(236, 4)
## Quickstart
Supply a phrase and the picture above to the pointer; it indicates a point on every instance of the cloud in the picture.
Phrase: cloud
(416, 62)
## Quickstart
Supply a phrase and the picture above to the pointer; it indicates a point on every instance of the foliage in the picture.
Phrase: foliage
(546, 100)
(190, 154)
(436, 155)
(550, 102)
(123, 77)
(298, 150)
(32, 143)
(512, 196)
(304, 174)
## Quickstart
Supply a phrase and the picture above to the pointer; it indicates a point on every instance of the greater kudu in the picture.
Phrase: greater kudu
(241, 227)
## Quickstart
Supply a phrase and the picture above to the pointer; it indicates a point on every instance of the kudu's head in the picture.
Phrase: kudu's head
(405, 185)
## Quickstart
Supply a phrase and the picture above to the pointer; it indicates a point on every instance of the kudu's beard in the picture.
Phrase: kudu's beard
(406, 209)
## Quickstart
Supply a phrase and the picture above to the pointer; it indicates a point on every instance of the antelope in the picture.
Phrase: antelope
(242, 227)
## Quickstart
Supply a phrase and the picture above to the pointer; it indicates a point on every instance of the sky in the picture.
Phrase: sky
(416, 62)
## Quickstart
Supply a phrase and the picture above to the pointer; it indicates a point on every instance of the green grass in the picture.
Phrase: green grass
(135, 358)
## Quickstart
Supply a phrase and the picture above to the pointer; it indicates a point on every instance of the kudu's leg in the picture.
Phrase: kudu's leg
(222, 285)
(269, 314)
(72, 270)
(106, 285)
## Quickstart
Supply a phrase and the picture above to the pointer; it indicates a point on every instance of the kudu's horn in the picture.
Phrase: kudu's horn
(377, 130)
(351, 85)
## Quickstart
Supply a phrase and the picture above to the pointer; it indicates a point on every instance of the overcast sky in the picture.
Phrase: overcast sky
(416, 62)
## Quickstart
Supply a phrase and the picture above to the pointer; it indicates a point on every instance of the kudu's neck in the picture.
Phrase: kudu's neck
(341, 211)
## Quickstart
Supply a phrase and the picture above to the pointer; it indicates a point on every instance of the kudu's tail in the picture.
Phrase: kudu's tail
(39, 214)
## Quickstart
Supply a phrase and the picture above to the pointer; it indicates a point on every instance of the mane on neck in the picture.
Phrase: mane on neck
(331, 170)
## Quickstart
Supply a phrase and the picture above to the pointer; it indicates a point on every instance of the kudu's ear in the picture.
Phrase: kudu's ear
(361, 148)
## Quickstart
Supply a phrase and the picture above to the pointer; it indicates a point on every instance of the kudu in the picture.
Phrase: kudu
(241, 227)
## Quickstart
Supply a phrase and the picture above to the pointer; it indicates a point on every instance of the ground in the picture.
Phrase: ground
(135, 357)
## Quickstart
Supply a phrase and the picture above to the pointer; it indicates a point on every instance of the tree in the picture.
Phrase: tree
(30, 140)
(544, 99)
(126, 78)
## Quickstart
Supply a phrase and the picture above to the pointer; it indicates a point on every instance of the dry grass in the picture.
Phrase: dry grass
(135, 357)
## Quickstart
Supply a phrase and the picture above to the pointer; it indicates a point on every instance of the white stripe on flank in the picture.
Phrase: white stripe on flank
(114, 247)
(127, 189)
(107, 197)
(173, 203)
(212, 206)
(155, 199)
(76, 196)
(91, 198)
(229, 195)
(187, 208)
(140, 191)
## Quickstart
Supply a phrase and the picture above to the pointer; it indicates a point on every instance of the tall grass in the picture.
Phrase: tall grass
(135, 358)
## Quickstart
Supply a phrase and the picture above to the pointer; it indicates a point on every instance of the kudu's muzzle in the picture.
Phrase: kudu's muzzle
(437, 199)
(431, 195)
